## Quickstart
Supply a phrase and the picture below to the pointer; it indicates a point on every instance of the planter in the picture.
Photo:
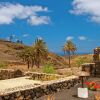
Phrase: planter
(82, 92)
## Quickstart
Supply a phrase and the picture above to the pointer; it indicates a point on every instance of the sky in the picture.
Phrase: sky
(55, 21)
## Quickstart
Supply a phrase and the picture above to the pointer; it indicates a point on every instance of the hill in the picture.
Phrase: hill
(9, 54)
(9, 51)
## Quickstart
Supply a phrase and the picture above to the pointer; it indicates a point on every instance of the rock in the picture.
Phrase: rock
(6, 97)
(10, 73)
(18, 94)
(1, 98)
(20, 98)
(18, 73)
(28, 97)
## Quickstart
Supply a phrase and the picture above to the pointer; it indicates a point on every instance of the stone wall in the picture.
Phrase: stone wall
(43, 76)
(96, 60)
(88, 67)
(41, 90)
(10, 73)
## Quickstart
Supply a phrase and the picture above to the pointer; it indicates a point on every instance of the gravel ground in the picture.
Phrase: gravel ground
(71, 94)
(16, 84)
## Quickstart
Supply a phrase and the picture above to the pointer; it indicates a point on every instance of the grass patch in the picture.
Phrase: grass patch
(3, 65)
(49, 69)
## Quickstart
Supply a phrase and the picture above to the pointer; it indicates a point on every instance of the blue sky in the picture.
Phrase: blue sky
(54, 20)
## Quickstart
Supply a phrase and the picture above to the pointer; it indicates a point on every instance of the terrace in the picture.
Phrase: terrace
(39, 86)
(34, 85)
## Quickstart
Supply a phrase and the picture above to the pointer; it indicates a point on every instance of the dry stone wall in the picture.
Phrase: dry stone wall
(10, 73)
(43, 76)
(96, 60)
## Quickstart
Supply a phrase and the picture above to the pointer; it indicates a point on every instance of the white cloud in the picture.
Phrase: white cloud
(25, 35)
(34, 20)
(9, 12)
(82, 38)
(87, 7)
(70, 38)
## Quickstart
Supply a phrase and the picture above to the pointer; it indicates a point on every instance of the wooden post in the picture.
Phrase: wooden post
(82, 81)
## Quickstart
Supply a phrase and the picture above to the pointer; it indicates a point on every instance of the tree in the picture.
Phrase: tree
(35, 54)
(26, 55)
(40, 51)
(19, 41)
(69, 49)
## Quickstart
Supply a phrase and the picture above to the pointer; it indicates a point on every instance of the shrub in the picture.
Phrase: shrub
(3, 65)
(48, 68)
(18, 47)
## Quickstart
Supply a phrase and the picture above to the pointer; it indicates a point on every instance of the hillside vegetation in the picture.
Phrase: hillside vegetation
(9, 54)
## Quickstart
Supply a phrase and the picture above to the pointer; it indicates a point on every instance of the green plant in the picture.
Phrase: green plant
(18, 46)
(36, 54)
(49, 77)
(3, 65)
(48, 68)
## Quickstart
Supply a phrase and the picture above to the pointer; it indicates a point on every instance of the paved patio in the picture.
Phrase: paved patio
(71, 94)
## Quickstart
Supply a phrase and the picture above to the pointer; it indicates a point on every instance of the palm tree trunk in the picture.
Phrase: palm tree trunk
(38, 64)
(28, 64)
(32, 63)
(69, 57)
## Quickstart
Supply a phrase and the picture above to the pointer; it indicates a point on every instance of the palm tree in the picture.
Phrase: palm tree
(40, 51)
(26, 55)
(35, 54)
(69, 48)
